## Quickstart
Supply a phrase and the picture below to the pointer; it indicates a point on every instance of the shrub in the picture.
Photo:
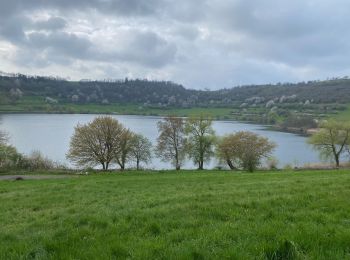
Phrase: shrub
(36, 161)
(288, 167)
(244, 149)
(272, 163)
(9, 157)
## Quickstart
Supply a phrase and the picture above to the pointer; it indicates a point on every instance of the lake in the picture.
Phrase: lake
(51, 133)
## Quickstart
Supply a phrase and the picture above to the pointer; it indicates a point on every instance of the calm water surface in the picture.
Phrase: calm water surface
(50, 134)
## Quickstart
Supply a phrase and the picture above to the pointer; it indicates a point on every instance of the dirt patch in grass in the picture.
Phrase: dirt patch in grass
(32, 177)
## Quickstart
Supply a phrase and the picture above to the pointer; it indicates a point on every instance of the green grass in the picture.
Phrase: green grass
(186, 215)
(139, 110)
(343, 115)
(30, 104)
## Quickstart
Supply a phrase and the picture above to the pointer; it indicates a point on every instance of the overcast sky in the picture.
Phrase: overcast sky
(200, 44)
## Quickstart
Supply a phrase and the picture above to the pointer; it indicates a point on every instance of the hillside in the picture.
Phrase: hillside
(21, 93)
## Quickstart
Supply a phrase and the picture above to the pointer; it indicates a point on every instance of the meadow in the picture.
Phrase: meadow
(178, 215)
(29, 104)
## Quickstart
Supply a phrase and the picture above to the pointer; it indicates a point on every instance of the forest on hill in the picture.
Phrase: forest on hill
(295, 106)
(169, 94)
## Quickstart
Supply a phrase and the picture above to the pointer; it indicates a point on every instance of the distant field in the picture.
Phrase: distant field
(343, 115)
(37, 104)
(186, 215)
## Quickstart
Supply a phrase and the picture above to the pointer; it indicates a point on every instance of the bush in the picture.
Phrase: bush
(36, 161)
(288, 167)
(272, 163)
(9, 157)
(244, 149)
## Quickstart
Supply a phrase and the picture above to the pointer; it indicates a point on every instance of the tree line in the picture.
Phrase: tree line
(150, 93)
(105, 141)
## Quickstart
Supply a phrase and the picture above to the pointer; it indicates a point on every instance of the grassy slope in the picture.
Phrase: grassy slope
(180, 216)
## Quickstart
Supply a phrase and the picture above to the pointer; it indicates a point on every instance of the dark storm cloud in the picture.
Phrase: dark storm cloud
(213, 43)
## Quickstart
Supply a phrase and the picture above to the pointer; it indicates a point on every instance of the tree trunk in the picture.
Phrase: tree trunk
(121, 165)
(201, 158)
(177, 165)
(200, 165)
(107, 163)
(103, 166)
(230, 164)
(137, 164)
(337, 162)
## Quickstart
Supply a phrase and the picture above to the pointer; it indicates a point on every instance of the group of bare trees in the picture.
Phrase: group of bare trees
(105, 141)
(179, 138)
(195, 138)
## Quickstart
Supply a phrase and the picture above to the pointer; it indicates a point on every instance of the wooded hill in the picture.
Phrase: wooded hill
(169, 94)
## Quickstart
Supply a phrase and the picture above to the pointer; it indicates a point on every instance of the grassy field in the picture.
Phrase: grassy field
(186, 215)
(38, 105)
(343, 115)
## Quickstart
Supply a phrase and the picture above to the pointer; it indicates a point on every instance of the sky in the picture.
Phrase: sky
(201, 44)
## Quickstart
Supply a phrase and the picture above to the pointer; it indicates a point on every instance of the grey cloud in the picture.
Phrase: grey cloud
(292, 32)
(64, 43)
(51, 24)
(214, 43)
(12, 28)
(144, 48)
(116, 7)
(188, 32)
(150, 49)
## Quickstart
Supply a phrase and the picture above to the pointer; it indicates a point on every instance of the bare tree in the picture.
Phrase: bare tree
(171, 143)
(126, 146)
(201, 137)
(96, 142)
(141, 150)
(332, 140)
